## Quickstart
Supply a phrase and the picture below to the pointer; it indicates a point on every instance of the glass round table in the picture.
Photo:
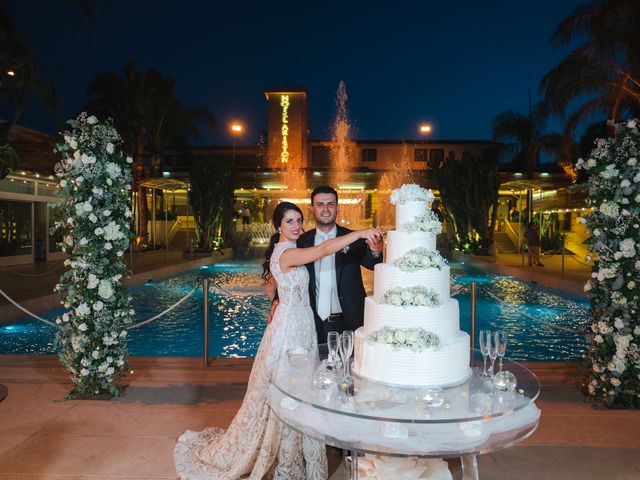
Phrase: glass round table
(481, 415)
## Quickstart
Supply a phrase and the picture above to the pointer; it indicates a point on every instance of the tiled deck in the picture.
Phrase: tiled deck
(42, 437)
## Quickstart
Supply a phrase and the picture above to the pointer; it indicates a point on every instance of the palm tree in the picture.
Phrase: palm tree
(605, 69)
(523, 136)
(147, 114)
(20, 83)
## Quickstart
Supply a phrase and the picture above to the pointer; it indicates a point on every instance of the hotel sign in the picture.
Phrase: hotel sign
(284, 103)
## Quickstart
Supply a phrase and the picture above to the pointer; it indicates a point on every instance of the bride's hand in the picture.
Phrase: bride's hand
(370, 234)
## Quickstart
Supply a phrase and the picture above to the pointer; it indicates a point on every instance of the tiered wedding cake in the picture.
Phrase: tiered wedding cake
(411, 333)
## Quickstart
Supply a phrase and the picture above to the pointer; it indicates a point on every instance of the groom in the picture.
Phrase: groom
(336, 291)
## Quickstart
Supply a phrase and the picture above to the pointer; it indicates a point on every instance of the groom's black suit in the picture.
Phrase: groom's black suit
(351, 293)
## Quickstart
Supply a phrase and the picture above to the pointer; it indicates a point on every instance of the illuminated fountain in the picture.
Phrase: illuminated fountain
(400, 173)
(344, 160)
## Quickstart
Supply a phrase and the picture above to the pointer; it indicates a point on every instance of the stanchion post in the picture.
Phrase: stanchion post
(205, 295)
(473, 315)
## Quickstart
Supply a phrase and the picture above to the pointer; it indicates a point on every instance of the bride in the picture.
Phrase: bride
(256, 444)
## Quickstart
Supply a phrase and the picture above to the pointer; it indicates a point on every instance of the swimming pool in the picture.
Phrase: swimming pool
(236, 325)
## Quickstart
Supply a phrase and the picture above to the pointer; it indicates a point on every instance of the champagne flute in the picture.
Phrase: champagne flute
(493, 350)
(484, 348)
(333, 341)
(346, 349)
(501, 345)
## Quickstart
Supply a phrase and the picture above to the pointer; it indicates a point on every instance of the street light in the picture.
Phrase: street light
(425, 128)
(236, 128)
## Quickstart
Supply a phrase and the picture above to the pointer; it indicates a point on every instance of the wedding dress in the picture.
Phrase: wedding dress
(257, 445)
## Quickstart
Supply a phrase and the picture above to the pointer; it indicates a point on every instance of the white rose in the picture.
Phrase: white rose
(119, 253)
(82, 310)
(109, 147)
(129, 160)
(83, 241)
(93, 281)
(401, 337)
(63, 183)
(420, 299)
(632, 161)
(625, 183)
(95, 354)
(105, 290)
(108, 246)
(106, 213)
(406, 297)
(619, 323)
(87, 207)
(109, 181)
(98, 306)
(110, 371)
(98, 231)
(93, 218)
(84, 372)
(615, 382)
(395, 299)
(591, 163)
(92, 120)
(631, 285)
(65, 317)
(83, 327)
(598, 339)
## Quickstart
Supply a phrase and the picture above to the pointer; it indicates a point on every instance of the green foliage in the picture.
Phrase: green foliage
(469, 190)
(212, 199)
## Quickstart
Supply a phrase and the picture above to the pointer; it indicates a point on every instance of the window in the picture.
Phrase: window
(436, 155)
(320, 156)
(369, 154)
(15, 228)
(420, 155)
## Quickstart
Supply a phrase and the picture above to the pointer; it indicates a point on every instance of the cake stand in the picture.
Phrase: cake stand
(472, 418)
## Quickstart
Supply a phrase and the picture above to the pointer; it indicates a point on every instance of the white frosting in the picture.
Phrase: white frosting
(443, 320)
(387, 276)
(380, 362)
(399, 243)
(407, 212)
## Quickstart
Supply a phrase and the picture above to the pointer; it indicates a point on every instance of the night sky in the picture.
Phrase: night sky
(453, 64)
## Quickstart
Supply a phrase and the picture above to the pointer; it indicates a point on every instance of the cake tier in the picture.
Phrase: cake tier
(382, 363)
(406, 212)
(399, 243)
(443, 320)
(387, 276)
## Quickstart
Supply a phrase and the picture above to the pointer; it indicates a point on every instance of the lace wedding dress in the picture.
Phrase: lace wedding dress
(257, 445)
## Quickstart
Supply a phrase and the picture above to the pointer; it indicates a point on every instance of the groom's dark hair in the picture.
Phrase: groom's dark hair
(323, 189)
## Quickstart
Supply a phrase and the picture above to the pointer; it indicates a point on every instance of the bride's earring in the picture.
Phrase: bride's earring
(279, 230)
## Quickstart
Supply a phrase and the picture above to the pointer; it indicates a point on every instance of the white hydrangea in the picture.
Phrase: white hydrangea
(113, 170)
(609, 208)
(410, 192)
(83, 310)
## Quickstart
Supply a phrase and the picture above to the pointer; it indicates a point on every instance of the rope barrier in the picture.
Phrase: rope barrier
(33, 274)
(517, 310)
(164, 312)
(20, 307)
(581, 263)
(215, 286)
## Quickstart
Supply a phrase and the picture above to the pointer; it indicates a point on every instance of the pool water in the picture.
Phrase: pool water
(238, 316)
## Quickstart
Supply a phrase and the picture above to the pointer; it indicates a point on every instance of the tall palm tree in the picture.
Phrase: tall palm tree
(147, 114)
(524, 138)
(604, 69)
(20, 83)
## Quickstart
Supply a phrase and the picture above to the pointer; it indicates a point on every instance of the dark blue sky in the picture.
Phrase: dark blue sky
(453, 64)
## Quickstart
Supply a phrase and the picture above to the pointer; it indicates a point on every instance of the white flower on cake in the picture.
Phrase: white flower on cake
(410, 192)
(427, 222)
(415, 339)
(420, 259)
(411, 297)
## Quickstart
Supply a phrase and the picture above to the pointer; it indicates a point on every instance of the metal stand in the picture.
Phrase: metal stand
(205, 295)
(469, 467)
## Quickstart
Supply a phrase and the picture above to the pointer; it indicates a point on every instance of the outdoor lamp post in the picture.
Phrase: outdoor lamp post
(236, 128)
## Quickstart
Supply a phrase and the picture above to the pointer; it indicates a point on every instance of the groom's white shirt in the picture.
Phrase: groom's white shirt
(327, 301)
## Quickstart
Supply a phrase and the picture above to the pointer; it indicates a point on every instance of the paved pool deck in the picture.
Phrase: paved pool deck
(43, 437)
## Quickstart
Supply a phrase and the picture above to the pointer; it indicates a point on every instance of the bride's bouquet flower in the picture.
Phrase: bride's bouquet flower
(410, 192)
(411, 297)
(427, 222)
(420, 259)
(416, 339)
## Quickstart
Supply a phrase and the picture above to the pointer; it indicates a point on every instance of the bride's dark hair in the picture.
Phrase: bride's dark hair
(278, 215)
